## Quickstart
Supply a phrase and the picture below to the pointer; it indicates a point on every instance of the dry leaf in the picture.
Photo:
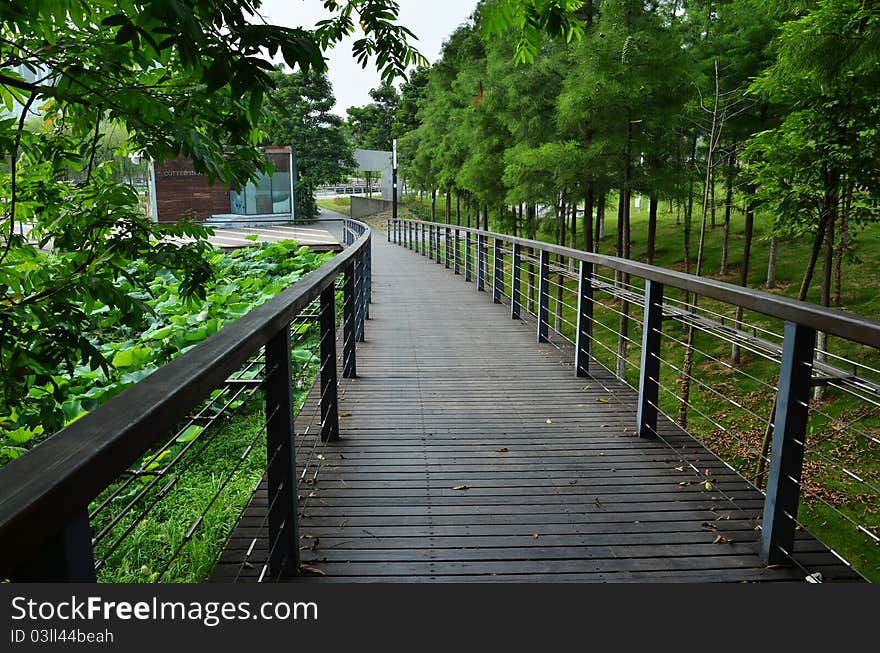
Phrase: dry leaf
(342, 457)
(573, 481)
(679, 469)
(313, 493)
(549, 421)
(311, 570)
(708, 526)
(708, 485)
(597, 502)
(320, 456)
(345, 414)
(536, 536)
(683, 483)
(720, 539)
(602, 400)
(502, 450)
(460, 487)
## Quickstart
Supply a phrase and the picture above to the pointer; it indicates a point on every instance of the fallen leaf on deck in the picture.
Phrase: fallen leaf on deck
(708, 526)
(502, 450)
(313, 493)
(602, 400)
(573, 481)
(679, 469)
(345, 414)
(536, 536)
(320, 456)
(311, 570)
(708, 485)
(315, 543)
(460, 487)
(720, 539)
(549, 421)
(597, 502)
(342, 457)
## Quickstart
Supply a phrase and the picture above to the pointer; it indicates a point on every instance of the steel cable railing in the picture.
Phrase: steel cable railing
(738, 369)
(115, 468)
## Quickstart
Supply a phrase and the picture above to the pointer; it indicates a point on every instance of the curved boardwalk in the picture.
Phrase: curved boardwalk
(471, 453)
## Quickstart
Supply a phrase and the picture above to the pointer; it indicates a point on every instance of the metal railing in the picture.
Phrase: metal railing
(670, 337)
(67, 505)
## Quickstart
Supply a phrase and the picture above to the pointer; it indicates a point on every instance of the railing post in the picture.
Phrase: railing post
(456, 256)
(649, 374)
(431, 242)
(388, 229)
(584, 337)
(361, 304)
(789, 439)
(349, 349)
(424, 248)
(515, 281)
(437, 251)
(66, 558)
(481, 262)
(412, 236)
(497, 274)
(329, 410)
(448, 236)
(281, 448)
(543, 296)
(468, 260)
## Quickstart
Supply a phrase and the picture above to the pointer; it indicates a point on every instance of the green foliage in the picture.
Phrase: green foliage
(301, 117)
(86, 83)
(170, 323)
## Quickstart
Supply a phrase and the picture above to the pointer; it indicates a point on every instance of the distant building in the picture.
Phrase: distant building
(177, 191)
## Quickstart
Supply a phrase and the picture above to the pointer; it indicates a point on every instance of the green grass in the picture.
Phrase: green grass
(829, 435)
(338, 204)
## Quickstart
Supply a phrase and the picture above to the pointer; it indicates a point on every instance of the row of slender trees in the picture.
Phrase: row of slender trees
(709, 105)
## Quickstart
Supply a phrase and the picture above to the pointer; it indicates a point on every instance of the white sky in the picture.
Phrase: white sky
(432, 21)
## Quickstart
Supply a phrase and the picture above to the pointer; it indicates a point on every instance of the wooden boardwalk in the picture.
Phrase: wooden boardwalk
(471, 453)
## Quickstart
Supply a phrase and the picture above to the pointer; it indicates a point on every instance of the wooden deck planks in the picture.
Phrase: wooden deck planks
(552, 483)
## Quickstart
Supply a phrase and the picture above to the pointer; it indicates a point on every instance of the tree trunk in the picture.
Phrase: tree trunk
(600, 221)
(652, 227)
(827, 276)
(485, 217)
(458, 209)
(771, 262)
(433, 205)
(842, 245)
(448, 207)
(588, 219)
(725, 238)
(748, 231)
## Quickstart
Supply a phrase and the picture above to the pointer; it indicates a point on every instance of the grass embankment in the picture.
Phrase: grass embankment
(338, 204)
(841, 426)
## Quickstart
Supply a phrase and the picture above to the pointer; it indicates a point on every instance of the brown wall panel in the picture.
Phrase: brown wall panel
(181, 192)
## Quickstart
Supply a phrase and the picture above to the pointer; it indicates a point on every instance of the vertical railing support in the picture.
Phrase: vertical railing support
(349, 348)
(424, 246)
(368, 277)
(543, 296)
(438, 252)
(649, 374)
(388, 230)
(515, 281)
(584, 337)
(431, 242)
(361, 296)
(468, 260)
(497, 271)
(283, 515)
(329, 410)
(789, 439)
(456, 258)
(447, 232)
(481, 262)
(66, 558)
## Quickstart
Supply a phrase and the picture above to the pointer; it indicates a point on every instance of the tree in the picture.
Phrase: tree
(302, 103)
(179, 78)
(371, 125)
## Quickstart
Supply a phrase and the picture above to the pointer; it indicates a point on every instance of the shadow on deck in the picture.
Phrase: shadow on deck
(471, 453)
